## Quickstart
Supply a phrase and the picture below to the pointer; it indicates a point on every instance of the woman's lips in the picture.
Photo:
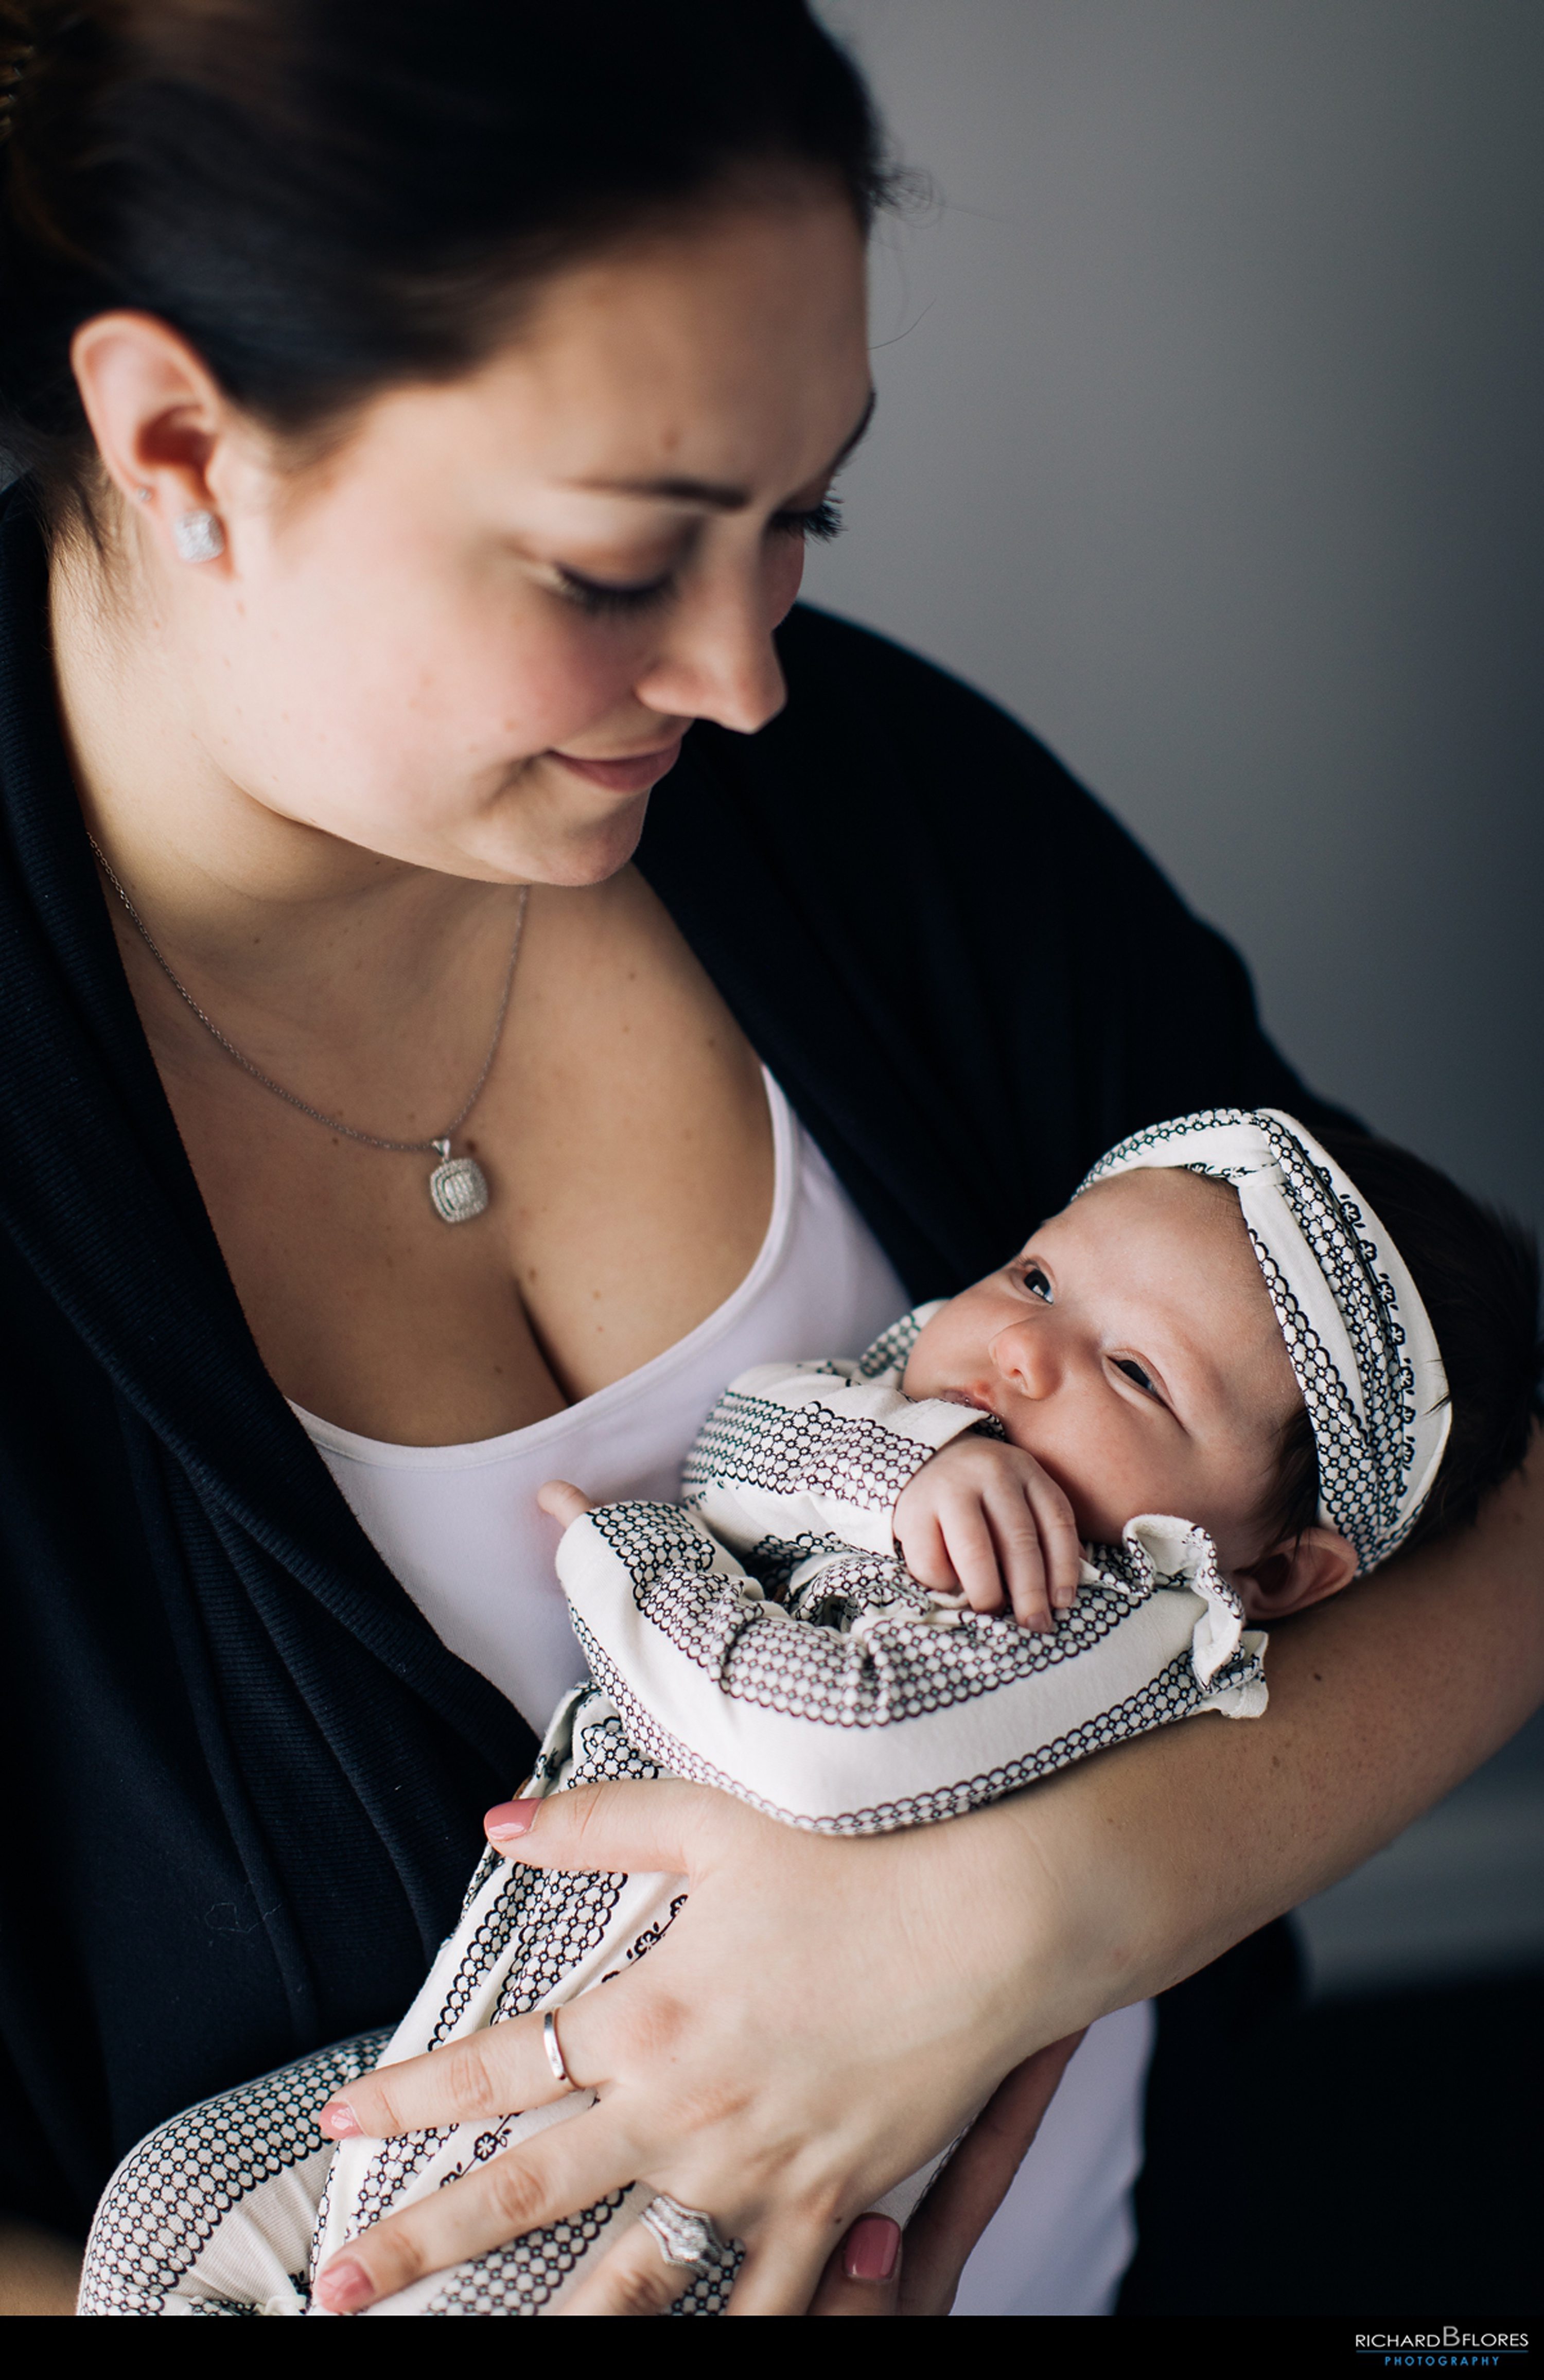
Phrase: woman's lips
(633, 774)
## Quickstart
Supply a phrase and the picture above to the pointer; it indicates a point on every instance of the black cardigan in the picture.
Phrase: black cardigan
(244, 1779)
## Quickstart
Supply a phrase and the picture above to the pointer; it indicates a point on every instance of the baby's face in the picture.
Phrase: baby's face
(1131, 1348)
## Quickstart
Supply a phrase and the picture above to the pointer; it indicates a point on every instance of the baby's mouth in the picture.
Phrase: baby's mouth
(992, 1423)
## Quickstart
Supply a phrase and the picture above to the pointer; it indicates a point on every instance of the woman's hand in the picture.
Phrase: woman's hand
(875, 2272)
(822, 2018)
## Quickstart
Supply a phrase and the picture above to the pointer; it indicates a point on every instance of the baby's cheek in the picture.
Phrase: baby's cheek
(1104, 1491)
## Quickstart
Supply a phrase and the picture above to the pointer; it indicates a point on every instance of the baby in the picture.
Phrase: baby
(875, 1608)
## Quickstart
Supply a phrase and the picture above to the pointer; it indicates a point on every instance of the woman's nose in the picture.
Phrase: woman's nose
(719, 660)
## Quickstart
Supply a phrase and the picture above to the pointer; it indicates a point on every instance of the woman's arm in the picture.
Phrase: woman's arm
(825, 2014)
(1381, 1701)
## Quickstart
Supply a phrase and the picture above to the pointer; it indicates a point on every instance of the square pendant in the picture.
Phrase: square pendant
(459, 1189)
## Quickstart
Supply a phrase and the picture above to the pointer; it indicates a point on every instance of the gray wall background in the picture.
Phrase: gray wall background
(1212, 393)
(1211, 402)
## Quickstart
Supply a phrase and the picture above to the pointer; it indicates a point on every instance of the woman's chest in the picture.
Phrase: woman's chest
(626, 1142)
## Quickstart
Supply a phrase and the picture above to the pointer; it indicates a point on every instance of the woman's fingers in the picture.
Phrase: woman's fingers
(974, 2183)
(570, 2166)
(863, 2275)
(632, 2279)
(780, 2272)
(745, 2109)
(629, 1828)
(476, 2081)
(575, 2164)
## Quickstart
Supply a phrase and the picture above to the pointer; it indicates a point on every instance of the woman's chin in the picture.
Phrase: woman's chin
(568, 851)
(589, 858)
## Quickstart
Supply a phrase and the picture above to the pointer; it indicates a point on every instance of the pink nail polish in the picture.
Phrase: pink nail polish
(345, 2287)
(339, 2122)
(872, 2246)
(509, 1819)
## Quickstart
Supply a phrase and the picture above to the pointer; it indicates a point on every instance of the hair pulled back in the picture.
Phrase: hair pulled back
(329, 197)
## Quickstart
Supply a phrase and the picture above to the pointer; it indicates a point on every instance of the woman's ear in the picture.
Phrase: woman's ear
(1317, 1564)
(156, 411)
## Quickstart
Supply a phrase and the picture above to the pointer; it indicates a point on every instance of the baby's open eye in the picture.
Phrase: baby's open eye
(1133, 1371)
(1038, 1285)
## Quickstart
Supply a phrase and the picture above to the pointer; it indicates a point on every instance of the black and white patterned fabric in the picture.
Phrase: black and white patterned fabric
(766, 1639)
(1360, 1339)
(215, 2212)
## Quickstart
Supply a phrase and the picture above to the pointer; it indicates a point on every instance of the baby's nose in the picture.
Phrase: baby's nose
(1027, 1354)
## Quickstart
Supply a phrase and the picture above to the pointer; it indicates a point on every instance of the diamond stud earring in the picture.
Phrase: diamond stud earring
(199, 537)
(142, 495)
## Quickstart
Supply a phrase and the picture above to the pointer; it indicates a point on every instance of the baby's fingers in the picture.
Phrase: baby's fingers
(925, 1552)
(1061, 1548)
(973, 1552)
(563, 1501)
(1019, 1558)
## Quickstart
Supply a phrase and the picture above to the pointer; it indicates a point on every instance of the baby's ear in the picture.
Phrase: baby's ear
(1317, 1564)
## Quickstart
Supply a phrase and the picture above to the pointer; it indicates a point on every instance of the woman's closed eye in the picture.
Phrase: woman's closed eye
(602, 598)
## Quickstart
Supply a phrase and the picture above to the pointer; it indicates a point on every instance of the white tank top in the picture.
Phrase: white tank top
(459, 1524)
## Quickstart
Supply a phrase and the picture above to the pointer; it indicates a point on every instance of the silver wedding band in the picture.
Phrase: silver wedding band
(687, 2238)
(553, 2048)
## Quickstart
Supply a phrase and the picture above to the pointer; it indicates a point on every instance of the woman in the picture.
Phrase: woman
(422, 446)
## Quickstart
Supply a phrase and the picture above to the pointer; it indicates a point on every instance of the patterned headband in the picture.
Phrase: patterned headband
(1360, 1339)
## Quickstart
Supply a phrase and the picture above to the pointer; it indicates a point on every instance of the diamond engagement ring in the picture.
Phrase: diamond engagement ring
(687, 2237)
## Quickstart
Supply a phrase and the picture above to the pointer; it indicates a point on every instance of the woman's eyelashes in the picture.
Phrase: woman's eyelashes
(601, 598)
(822, 521)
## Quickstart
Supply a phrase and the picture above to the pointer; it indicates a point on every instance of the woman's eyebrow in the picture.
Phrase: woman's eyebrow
(714, 494)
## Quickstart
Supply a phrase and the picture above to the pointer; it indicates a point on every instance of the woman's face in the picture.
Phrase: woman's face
(474, 637)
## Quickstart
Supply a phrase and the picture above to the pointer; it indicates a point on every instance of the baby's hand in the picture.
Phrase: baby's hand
(565, 1503)
(985, 1519)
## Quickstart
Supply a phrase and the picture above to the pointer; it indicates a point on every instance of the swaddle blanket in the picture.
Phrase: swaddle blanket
(766, 1639)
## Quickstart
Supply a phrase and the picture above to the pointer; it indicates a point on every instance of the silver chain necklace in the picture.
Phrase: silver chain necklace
(457, 1185)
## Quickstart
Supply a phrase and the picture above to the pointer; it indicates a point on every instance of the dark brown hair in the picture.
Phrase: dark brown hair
(326, 197)
(1478, 1276)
